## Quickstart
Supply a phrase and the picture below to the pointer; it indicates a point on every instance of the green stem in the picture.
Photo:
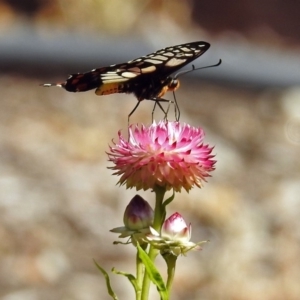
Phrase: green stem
(159, 210)
(171, 263)
(140, 271)
(159, 215)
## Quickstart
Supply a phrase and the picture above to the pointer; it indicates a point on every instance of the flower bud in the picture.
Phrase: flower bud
(174, 237)
(138, 214)
(175, 228)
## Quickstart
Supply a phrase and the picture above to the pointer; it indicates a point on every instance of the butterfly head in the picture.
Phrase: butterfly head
(170, 86)
(173, 85)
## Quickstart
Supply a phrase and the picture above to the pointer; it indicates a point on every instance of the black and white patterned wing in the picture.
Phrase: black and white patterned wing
(126, 77)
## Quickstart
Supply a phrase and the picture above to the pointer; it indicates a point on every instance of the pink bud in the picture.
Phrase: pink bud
(175, 228)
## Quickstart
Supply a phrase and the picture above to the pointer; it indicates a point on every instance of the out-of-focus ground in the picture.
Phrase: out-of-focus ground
(58, 200)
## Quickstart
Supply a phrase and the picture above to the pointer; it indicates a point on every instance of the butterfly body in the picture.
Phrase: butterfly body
(147, 77)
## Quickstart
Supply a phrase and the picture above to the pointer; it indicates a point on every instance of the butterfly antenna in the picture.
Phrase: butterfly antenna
(194, 69)
(177, 110)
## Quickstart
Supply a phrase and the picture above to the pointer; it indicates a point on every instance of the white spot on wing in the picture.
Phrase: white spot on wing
(120, 79)
(129, 74)
(169, 54)
(110, 76)
(160, 57)
(153, 61)
(148, 69)
(185, 49)
(175, 62)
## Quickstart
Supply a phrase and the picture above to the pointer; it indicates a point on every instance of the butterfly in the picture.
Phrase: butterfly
(147, 77)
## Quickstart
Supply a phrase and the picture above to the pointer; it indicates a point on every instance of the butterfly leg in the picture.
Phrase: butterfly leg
(134, 109)
(176, 108)
(157, 102)
(161, 108)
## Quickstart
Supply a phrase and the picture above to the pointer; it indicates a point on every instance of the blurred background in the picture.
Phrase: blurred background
(58, 200)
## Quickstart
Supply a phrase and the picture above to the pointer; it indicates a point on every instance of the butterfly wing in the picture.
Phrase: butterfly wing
(158, 65)
(168, 60)
(126, 77)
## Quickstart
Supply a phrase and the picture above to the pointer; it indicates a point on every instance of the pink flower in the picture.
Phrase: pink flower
(168, 154)
(174, 237)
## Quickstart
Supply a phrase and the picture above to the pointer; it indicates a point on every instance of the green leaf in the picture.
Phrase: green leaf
(169, 200)
(106, 276)
(130, 277)
(153, 273)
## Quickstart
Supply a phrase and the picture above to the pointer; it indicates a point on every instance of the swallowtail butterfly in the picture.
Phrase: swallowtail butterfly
(147, 77)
